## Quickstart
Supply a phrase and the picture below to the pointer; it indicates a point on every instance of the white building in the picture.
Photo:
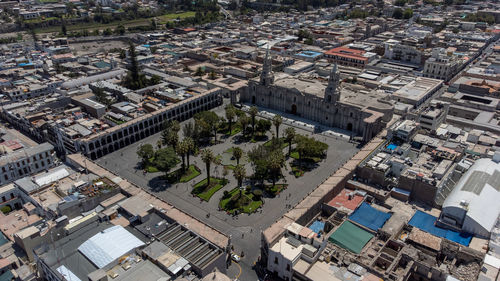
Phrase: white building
(395, 50)
(440, 65)
(472, 205)
(299, 245)
(25, 162)
(431, 118)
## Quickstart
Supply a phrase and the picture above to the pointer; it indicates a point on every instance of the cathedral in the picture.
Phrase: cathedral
(363, 113)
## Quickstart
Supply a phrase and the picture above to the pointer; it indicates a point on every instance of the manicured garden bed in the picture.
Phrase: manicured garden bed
(247, 203)
(206, 192)
(295, 155)
(179, 176)
(151, 167)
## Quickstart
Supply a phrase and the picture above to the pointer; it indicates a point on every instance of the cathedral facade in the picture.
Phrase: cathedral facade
(313, 100)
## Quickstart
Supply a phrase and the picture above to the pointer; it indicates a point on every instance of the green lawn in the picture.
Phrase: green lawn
(151, 168)
(276, 189)
(250, 206)
(204, 192)
(126, 23)
(230, 167)
(295, 155)
(169, 17)
(235, 128)
(178, 176)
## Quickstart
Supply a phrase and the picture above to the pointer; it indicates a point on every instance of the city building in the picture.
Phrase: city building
(363, 114)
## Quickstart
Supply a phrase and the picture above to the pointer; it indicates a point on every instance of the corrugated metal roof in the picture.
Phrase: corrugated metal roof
(108, 245)
(478, 191)
(67, 274)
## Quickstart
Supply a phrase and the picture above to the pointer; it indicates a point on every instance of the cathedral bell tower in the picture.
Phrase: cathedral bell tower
(332, 95)
(267, 77)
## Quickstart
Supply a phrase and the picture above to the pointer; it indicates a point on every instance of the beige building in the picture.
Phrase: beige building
(364, 113)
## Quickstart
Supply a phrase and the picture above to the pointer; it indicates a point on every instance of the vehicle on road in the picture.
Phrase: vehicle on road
(235, 257)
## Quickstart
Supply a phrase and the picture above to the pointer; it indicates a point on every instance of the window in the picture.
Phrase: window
(294, 99)
(288, 267)
(329, 98)
(12, 195)
(275, 260)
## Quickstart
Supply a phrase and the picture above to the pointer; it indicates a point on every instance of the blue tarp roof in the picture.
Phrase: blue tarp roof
(317, 226)
(427, 223)
(369, 217)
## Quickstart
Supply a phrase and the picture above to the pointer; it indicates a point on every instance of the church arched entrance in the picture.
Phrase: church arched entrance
(253, 99)
(349, 126)
(294, 109)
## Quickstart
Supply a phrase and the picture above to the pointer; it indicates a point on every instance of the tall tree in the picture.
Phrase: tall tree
(182, 149)
(230, 114)
(189, 130)
(165, 159)
(277, 120)
(239, 173)
(190, 148)
(209, 122)
(63, 27)
(244, 121)
(289, 137)
(172, 125)
(262, 126)
(134, 65)
(170, 138)
(208, 157)
(253, 112)
(145, 152)
(237, 154)
(276, 160)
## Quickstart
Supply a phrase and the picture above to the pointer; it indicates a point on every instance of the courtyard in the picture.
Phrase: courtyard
(243, 228)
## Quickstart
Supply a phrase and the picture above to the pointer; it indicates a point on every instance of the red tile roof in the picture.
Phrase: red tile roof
(347, 52)
(342, 200)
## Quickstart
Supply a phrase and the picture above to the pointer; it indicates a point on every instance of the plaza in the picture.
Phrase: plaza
(243, 229)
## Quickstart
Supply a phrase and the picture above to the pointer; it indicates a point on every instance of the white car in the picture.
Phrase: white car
(235, 257)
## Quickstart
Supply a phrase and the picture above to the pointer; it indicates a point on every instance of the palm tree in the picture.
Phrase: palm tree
(172, 125)
(277, 120)
(190, 148)
(170, 137)
(239, 173)
(230, 114)
(182, 149)
(253, 112)
(208, 157)
(237, 154)
(276, 161)
(290, 136)
(244, 123)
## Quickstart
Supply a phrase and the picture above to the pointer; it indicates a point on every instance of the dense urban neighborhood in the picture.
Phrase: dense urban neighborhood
(245, 140)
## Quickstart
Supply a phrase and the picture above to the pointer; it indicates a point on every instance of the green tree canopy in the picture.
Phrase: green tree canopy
(309, 147)
(165, 159)
(146, 152)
